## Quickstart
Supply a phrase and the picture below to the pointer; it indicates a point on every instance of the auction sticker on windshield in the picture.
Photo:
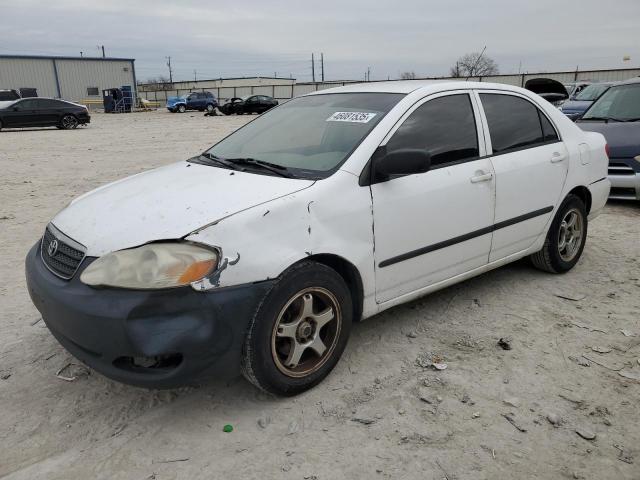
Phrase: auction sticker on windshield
(354, 117)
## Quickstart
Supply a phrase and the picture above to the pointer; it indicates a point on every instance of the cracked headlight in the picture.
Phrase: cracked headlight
(152, 266)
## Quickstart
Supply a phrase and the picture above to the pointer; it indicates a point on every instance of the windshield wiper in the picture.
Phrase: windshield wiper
(272, 167)
(602, 119)
(220, 161)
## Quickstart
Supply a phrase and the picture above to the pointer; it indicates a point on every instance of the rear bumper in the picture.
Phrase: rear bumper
(599, 192)
(190, 335)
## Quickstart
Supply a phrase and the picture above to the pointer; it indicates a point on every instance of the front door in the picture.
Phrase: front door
(433, 226)
(21, 114)
(531, 165)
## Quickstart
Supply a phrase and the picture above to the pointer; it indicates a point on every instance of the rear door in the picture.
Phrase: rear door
(49, 111)
(531, 165)
(433, 226)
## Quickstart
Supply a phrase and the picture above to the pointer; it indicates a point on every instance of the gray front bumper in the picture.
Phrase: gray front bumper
(624, 175)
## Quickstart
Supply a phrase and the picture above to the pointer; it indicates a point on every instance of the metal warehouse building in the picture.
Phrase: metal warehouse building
(71, 78)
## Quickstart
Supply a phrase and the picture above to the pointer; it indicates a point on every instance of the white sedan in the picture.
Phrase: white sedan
(258, 254)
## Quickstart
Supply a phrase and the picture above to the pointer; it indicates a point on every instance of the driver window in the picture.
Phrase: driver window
(445, 127)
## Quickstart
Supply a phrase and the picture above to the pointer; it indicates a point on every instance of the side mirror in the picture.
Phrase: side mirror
(406, 161)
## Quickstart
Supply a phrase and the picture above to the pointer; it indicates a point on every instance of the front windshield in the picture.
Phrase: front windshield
(618, 103)
(315, 133)
(592, 92)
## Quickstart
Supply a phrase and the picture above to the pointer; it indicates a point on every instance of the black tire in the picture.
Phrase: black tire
(181, 109)
(210, 108)
(0, 125)
(261, 362)
(549, 258)
(68, 122)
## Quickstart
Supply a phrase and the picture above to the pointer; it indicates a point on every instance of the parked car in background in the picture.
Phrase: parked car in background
(616, 114)
(42, 112)
(551, 90)
(574, 88)
(258, 254)
(28, 92)
(577, 105)
(193, 101)
(8, 95)
(249, 104)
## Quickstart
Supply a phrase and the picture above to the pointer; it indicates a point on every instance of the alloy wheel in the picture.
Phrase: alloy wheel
(306, 332)
(570, 236)
(69, 122)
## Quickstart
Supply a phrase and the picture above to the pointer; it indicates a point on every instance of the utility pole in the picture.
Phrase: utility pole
(313, 69)
(322, 65)
(81, 54)
(195, 76)
(368, 74)
(170, 72)
(103, 56)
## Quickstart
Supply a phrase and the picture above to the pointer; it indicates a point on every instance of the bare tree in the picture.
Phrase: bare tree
(474, 65)
(408, 75)
(158, 83)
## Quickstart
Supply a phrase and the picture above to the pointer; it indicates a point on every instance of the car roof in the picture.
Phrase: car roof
(409, 86)
(628, 82)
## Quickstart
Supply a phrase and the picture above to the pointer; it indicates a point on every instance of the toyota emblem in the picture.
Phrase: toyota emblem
(52, 249)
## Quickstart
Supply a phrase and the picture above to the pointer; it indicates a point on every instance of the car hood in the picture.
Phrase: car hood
(166, 203)
(623, 138)
(576, 106)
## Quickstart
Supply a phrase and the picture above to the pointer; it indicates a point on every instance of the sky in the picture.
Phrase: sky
(207, 39)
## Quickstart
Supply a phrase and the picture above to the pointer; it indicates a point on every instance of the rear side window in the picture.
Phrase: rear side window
(549, 133)
(515, 123)
(444, 126)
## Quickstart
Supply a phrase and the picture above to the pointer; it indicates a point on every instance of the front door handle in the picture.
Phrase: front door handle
(557, 157)
(483, 177)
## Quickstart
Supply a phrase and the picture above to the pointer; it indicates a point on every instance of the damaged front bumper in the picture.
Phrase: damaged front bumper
(155, 339)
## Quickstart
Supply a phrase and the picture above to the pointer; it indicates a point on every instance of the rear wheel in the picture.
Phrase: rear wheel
(299, 331)
(69, 122)
(566, 238)
(182, 108)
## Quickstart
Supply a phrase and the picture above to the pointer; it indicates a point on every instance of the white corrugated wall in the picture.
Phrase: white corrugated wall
(76, 76)
(17, 73)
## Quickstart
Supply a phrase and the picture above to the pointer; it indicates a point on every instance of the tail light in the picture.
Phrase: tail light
(606, 150)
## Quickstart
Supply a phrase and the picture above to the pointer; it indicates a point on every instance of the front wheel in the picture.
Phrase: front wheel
(210, 108)
(182, 109)
(69, 122)
(299, 331)
(566, 238)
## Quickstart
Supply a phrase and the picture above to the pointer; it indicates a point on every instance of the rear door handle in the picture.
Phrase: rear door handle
(484, 177)
(557, 157)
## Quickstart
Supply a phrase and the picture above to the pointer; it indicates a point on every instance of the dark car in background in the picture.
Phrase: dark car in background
(578, 104)
(42, 112)
(193, 101)
(8, 95)
(248, 104)
(616, 114)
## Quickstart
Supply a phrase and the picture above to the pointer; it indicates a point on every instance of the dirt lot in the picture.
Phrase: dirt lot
(493, 413)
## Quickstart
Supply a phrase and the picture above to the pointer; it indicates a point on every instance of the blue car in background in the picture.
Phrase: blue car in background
(616, 115)
(578, 104)
(193, 101)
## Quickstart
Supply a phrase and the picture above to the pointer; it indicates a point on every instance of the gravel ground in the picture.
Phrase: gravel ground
(383, 412)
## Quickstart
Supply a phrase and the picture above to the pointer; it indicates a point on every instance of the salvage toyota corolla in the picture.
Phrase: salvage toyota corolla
(258, 254)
